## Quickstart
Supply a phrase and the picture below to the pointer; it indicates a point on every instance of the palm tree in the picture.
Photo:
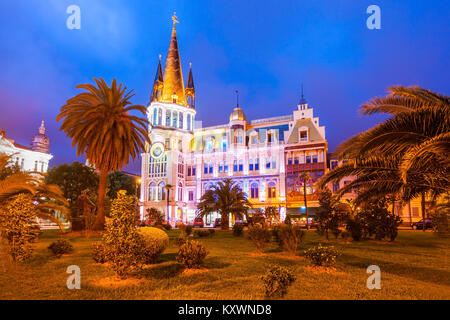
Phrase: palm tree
(100, 124)
(168, 187)
(226, 198)
(404, 156)
(304, 177)
(47, 197)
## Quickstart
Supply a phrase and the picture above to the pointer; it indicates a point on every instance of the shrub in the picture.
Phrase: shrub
(259, 234)
(336, 232)
(275, 234)
(191, 254)
(440, 222)
(180, 240)
(99, 252)
(125, 248)
(155, 216)
(322, 256)
(345, 235)
(355, 227)
(17, 219)
(202, 233)
(238, 229)
(290, 237)
(156, 241)
(188, 230)
(276, 281)
(60, 247)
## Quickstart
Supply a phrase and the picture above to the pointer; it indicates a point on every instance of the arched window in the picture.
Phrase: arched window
(160, 116)
(188, 122)
(174, 119)
(168, 113)
(162, 191)
(155, 115)
(180, 120)
(254, 191)
(272, 190)
(152, 192)
(180, 192)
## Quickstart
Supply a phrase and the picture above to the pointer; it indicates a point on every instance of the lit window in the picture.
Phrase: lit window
(191, 195)
(303, 136)
(257, 164)
(308, 159)
(254, 191)
(271, 190)
(251, 165)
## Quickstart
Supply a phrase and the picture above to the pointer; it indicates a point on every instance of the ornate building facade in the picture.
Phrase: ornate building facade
(33, 158)
(265, 157)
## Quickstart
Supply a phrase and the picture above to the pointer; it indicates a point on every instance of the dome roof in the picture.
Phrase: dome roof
(40, 142)
(237, 114)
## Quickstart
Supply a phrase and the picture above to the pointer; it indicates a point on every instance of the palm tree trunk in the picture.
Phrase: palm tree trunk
(410, 215)
(100, 220)
(306, 203)
(423, 211)
(167, 206)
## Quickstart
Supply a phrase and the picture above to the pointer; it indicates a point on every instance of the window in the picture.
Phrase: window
(257, 164)
(254, 139)
(225, 166)
(274, 163)
(267, 163)
(194, 171)
(235, 166)
(209, 144)
(211, 166)
(241, 166)
(224, 143)
(308, 159)
(189, 121)
(180, 192)
(296, 160)
(160, 116)
(191, 195)
(189, 171)
(206, 168)
(155, 116)
(168, 113)
(250, 166)
(271, 190)
(162, 191)
(415, 211)
(254, 191)
(303, 136)
(180, 145)
(289, 160)
(220, 167)
(334, 164)
(152, 192)
(174, 119)
(314, 159)
(180, 120)
(35, 165)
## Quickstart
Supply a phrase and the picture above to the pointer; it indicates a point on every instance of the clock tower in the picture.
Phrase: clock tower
(171, 113)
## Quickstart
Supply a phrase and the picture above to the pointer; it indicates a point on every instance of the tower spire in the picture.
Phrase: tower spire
(302, 100)
(173, 90)
(157, 83)
(237, 98)
(190, 89)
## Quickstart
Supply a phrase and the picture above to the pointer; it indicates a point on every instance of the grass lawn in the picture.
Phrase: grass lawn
(415, 266)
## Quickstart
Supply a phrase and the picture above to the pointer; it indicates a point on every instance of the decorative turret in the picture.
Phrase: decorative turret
(158, 83)
(190, 90)
(237, 113)
(40, 142)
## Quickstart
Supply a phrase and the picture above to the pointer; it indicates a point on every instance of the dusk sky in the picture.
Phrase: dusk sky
(265, 49)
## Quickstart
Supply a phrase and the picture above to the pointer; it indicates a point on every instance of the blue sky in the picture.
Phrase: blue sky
(265, 49)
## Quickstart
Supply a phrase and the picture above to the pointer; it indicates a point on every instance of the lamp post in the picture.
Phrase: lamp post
(138, 183)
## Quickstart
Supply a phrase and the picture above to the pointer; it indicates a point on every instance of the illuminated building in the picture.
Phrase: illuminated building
(264, 156)
(33, 158)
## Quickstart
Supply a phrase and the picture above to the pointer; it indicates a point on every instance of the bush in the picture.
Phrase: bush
(276, 281)
(336, 233)
(259, 234)
(156, 241)
(191, 254)
(167, 226)
(290, 237)
(17, 220)
(188, 230)
(125, 248)
(99, 252)
(202, 233)
(60, 247)
(322, 256)
(355, 228)
(238, 229)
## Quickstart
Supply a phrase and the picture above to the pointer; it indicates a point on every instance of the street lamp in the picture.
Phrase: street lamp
(138, 183)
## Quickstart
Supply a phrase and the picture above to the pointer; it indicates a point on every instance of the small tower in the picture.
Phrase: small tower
(40, 142)
(158, 83)
(237, 123)
(190, 90)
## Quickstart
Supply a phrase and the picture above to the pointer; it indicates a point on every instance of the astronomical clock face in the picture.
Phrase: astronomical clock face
(157, 150)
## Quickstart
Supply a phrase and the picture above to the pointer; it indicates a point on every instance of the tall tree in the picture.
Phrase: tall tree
(101, 126)
(226, 198)
(73, 179)
(405, 155)
(120, 181)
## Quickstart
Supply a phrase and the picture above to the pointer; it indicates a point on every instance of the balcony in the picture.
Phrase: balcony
(293, 168)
